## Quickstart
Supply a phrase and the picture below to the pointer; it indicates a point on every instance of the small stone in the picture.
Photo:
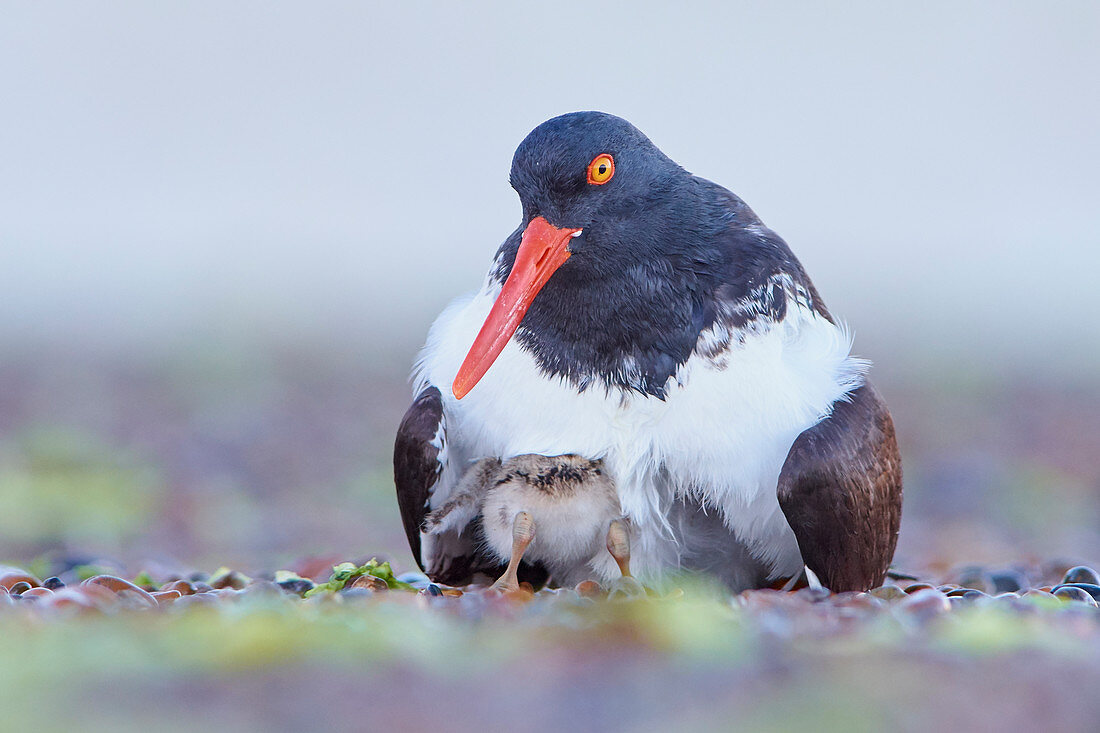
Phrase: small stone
(358, 593)
(1073, 593)
(37, 592)
(858, 601)
(896, 574)
(434, 590)
(925, 604)
(625, 587)
(888, 592)
(164, 597)
(183, 587)
(72, 598)
(98, 595)
(913, 588)
(1008, 581)
(297, 586)
(262, 588)
(18, 589)
(451, 592)
(1081, 574)
(973, 576)
(123, 588)
(198, 599)
(53, 583)
(226, 578)
(589, 589)
(419, 581)
(1090, 588)
(377, 585)
(11, 576)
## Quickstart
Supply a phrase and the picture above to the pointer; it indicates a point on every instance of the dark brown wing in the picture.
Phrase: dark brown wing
(416, 465)
(455, 559)
(840, 490)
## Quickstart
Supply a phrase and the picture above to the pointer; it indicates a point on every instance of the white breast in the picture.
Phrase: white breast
(721, 435)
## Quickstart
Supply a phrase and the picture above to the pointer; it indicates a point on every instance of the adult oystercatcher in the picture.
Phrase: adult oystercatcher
(646, 318)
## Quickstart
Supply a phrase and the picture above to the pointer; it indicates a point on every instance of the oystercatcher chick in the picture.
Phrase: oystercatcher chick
(561, 512)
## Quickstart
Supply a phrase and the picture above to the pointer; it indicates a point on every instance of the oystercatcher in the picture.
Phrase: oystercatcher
(646, 318)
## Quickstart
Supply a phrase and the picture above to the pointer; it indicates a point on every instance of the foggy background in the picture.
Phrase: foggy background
(225, 229)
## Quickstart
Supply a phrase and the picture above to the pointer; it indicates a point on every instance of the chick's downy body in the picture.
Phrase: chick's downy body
(571, 500)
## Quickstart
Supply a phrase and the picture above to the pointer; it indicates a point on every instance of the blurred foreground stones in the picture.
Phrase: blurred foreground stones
(282, 651)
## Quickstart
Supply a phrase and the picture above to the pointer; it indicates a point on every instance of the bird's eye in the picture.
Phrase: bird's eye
(601, 169)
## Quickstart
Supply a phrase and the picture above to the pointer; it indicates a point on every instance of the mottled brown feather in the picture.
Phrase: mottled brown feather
(416, 464)
(841, 491)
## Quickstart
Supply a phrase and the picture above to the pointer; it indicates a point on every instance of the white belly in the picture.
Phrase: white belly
(721, 435)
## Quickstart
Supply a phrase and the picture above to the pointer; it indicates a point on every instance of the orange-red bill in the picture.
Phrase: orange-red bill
(542, 250)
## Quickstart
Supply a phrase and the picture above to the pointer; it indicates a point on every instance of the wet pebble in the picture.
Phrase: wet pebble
(195, 601)
(226, 578)
(262, 588)
(1081, 574)
(960, 592)
(1008, 581)
(858, 601)
(53, 583)
(164, 597)
(973, 576)
(17, 589)
(376, 585)
(124, 589)
(589, 589)
(924, 604)
(1073, 593)
(416, 580)
(72, 598)
(297, 586)
(888, 592)
(355, 594)
(37, 592)
(183, 587)
(1091, 589)
(914, 587)
(12, 576)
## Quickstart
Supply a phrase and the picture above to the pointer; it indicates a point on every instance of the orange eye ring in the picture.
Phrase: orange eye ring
(601, 169)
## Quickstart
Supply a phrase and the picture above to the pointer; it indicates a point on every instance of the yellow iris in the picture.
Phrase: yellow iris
(601, 169)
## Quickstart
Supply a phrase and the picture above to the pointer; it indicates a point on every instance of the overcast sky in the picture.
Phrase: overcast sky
(168, 166)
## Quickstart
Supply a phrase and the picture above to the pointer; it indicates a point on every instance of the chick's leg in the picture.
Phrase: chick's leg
(523, 533)
(618, 544)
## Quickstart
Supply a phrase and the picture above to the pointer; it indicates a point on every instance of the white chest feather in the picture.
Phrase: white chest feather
(721, 435)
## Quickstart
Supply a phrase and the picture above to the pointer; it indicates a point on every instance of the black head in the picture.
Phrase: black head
(550, 171)
(617, 265)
